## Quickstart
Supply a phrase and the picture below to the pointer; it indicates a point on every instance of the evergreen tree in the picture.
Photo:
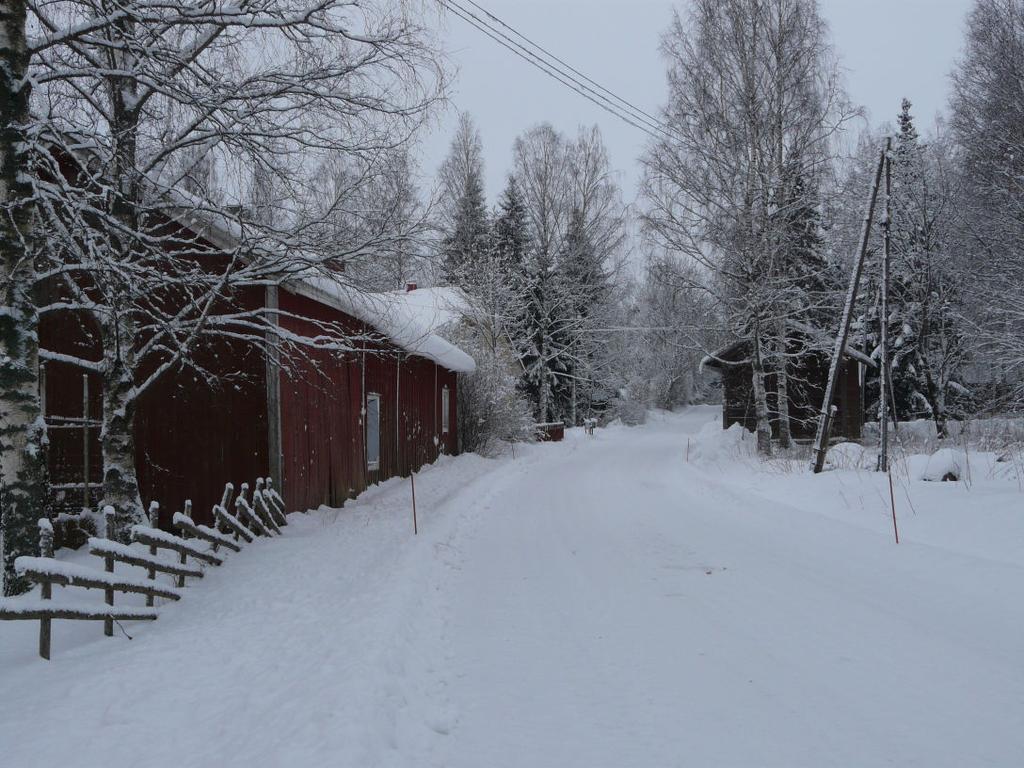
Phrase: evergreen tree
(925, 299)
(805, 274)
(468, 241)
(540, 342)
(582, 284)
(511, 237)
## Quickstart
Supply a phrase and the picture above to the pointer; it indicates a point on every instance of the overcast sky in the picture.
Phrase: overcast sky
(888, 48)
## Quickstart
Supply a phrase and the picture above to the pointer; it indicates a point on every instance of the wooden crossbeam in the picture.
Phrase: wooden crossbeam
(17, 609)
(129, 556)
(276, 502)
(154, 537)
(245, 513)
(259, 504)
(234, 524)
(205, 533)
(44, 570)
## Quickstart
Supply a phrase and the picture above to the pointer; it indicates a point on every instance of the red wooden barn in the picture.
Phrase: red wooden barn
(324, 427)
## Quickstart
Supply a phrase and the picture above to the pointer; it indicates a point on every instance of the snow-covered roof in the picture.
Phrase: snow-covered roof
(409, 324)
(822, 340)
(434, 309)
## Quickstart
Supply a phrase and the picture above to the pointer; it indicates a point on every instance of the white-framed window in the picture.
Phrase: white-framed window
(373, 431)
(446, 405)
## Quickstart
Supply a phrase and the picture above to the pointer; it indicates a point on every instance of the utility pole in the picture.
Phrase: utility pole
(825, 419)
(885, 375)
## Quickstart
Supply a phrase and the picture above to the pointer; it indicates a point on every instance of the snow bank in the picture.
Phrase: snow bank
(850, 456)
(713, 444)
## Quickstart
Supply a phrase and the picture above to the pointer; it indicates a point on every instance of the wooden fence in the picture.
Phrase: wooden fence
(259, 514)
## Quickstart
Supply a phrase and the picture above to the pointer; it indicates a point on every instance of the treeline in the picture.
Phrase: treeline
(757, 206)
(539, 271)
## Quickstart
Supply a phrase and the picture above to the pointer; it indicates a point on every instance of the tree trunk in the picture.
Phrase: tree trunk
(22, 430)
(120, 482)
(764, 428)
(782, 392)
(119, 332)
(543, 399)
(936, 401)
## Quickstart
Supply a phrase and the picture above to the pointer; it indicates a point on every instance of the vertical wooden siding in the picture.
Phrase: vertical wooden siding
(192, 437)
(322, 399)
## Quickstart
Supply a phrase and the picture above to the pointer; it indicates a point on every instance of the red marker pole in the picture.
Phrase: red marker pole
(892, 502)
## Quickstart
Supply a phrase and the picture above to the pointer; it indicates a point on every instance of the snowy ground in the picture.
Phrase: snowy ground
(599, 602)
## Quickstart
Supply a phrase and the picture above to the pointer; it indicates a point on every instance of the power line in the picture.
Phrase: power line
(649, 118)
(555, 73)
(544, 66)
(553, 70)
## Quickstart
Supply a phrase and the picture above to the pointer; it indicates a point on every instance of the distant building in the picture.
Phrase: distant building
(808, 377)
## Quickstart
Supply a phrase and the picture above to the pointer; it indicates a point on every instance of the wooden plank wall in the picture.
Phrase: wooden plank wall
(322, 399)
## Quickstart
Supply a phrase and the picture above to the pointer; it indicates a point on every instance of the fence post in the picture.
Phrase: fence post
(182, 557)
(108, 566)
(46, 589)
(154, 522)
(229, 489)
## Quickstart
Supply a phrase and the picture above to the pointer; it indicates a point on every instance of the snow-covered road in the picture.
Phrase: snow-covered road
(598, 602)
(624, 608)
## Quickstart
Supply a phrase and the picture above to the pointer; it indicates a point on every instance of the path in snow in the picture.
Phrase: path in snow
(593, 603)
(623, 608)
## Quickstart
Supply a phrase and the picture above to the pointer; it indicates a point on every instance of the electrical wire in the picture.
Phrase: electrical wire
(657, 132)
(650, 119)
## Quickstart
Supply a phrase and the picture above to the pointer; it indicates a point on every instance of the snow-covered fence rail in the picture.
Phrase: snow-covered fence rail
(273, 501)
(47, 571)
(186, 525)
(265, 515)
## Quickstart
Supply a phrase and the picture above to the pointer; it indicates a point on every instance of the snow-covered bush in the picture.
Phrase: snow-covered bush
(944, 465)
(492, 410)
(920, 436)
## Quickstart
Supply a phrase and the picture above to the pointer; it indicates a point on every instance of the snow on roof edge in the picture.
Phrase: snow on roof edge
(405, 332)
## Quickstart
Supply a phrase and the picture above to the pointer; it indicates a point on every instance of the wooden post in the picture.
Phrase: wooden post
(415, 528)
(825, 419)
(274, 499)
(108, 566)
(182, 557)
(154, 522)
(884, 373)
(224, 499)
(892, 503)
(46, 589)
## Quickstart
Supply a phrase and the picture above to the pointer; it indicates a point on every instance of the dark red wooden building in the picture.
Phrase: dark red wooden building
(808, 376)
(325, 426)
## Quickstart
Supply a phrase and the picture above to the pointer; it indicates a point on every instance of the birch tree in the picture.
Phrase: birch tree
(987, 124)
(22, 432)
(754, 98)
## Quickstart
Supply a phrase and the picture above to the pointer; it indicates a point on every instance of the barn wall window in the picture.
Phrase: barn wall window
(445, 410)
(373, 431)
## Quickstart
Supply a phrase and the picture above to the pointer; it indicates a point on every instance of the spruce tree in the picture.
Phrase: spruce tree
(465, 245)
(925, 299)
(582, 285)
